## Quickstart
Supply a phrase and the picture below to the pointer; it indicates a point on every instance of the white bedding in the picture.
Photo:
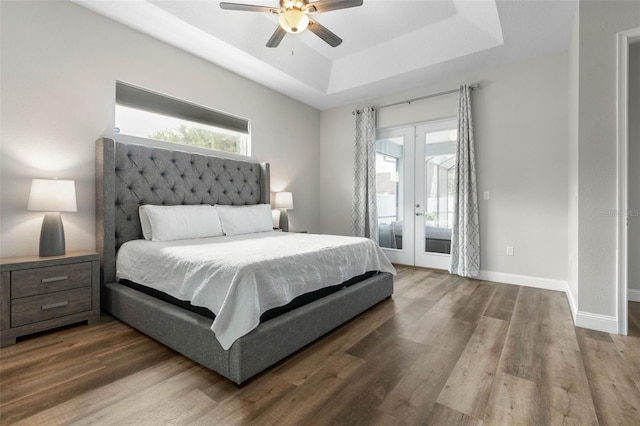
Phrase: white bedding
(240, 277)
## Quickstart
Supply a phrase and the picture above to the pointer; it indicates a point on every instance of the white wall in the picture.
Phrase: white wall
(520, 117)
(58, 72)
(337, 132)
(599, 22)
(634, 166)
(573, 168)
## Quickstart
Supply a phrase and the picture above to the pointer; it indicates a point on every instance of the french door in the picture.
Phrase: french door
(415, 169)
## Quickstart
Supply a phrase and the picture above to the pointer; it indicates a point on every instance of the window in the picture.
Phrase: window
(389, 152)
(387, 188)
(440, 171)
(151, 115)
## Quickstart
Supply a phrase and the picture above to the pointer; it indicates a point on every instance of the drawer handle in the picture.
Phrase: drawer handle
(54, 305)
(54, 279)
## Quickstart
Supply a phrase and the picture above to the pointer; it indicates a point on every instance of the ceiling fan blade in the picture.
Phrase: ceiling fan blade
(277, 37)
(328, 5)
(330, 38)
(248, 7)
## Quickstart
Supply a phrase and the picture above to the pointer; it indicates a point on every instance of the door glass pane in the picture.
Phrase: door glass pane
(440, 166)
(389, 178)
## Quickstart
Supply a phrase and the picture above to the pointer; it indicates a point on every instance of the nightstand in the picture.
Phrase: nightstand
(40, 293)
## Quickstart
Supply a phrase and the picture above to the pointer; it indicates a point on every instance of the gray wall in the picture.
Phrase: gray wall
(572, 190)
(634, 167)
(599, 22)
(58, 72)
(520, 117)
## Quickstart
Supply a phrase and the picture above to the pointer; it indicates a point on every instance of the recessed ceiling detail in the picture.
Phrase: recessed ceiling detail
(388, 45)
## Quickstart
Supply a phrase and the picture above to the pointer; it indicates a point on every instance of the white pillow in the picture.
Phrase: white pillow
(167, 223)
(144, 222)
(245, 219)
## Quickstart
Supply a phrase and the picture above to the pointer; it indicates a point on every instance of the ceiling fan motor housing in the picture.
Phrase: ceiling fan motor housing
(293, 4)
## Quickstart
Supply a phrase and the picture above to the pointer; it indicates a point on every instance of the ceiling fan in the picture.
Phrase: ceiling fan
(294, 17)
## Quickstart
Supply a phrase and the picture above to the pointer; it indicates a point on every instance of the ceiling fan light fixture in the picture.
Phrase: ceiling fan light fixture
(292, 4)
(294, 21)
(293, 17)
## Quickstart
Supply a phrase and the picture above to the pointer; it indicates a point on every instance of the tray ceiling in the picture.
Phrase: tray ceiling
(389, 46)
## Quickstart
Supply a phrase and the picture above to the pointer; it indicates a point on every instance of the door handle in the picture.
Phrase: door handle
(419, 214)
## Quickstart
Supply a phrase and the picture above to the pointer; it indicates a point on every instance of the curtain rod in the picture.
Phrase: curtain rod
(409, 101)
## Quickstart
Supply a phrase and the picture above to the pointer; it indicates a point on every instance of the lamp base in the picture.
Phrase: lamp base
(52, 236)
(284, 220)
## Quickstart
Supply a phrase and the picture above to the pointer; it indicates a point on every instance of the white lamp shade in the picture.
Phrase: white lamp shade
(52, 195)
(284, 200)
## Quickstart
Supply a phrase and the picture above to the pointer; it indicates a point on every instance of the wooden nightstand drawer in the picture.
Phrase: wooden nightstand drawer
(32, 309)
(32, 282)
(41, 293)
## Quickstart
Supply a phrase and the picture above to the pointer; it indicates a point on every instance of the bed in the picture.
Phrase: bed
(128, 176)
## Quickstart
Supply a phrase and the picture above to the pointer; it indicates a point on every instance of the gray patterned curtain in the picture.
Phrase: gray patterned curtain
(465, 236)
(365, 212)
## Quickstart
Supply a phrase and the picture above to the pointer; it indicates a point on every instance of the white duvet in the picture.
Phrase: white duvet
(240, 277)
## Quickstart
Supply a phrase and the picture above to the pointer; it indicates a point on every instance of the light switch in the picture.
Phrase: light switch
(486, 195)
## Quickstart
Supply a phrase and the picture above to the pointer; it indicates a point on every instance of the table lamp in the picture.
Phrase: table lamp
(284, 202)
(52, 196)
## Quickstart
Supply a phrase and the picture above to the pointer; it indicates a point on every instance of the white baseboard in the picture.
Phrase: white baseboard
(633, 295)
(535, 282)
(605, 323)
(524, 280)
(573, 305)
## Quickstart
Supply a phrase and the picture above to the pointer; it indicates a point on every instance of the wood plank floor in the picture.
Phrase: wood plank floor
(444, 350)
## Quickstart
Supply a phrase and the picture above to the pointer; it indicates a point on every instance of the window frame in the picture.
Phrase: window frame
(150, 102)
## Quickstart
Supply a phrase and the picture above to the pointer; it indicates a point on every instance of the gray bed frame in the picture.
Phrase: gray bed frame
(129, 175)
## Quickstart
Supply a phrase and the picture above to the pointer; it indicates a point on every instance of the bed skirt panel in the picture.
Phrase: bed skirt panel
(190, 333)
(181, 330)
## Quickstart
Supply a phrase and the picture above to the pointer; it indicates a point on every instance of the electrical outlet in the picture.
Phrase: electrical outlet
(509, 251)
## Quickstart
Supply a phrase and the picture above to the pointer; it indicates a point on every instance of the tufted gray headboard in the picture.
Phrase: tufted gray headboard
(128, 176)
